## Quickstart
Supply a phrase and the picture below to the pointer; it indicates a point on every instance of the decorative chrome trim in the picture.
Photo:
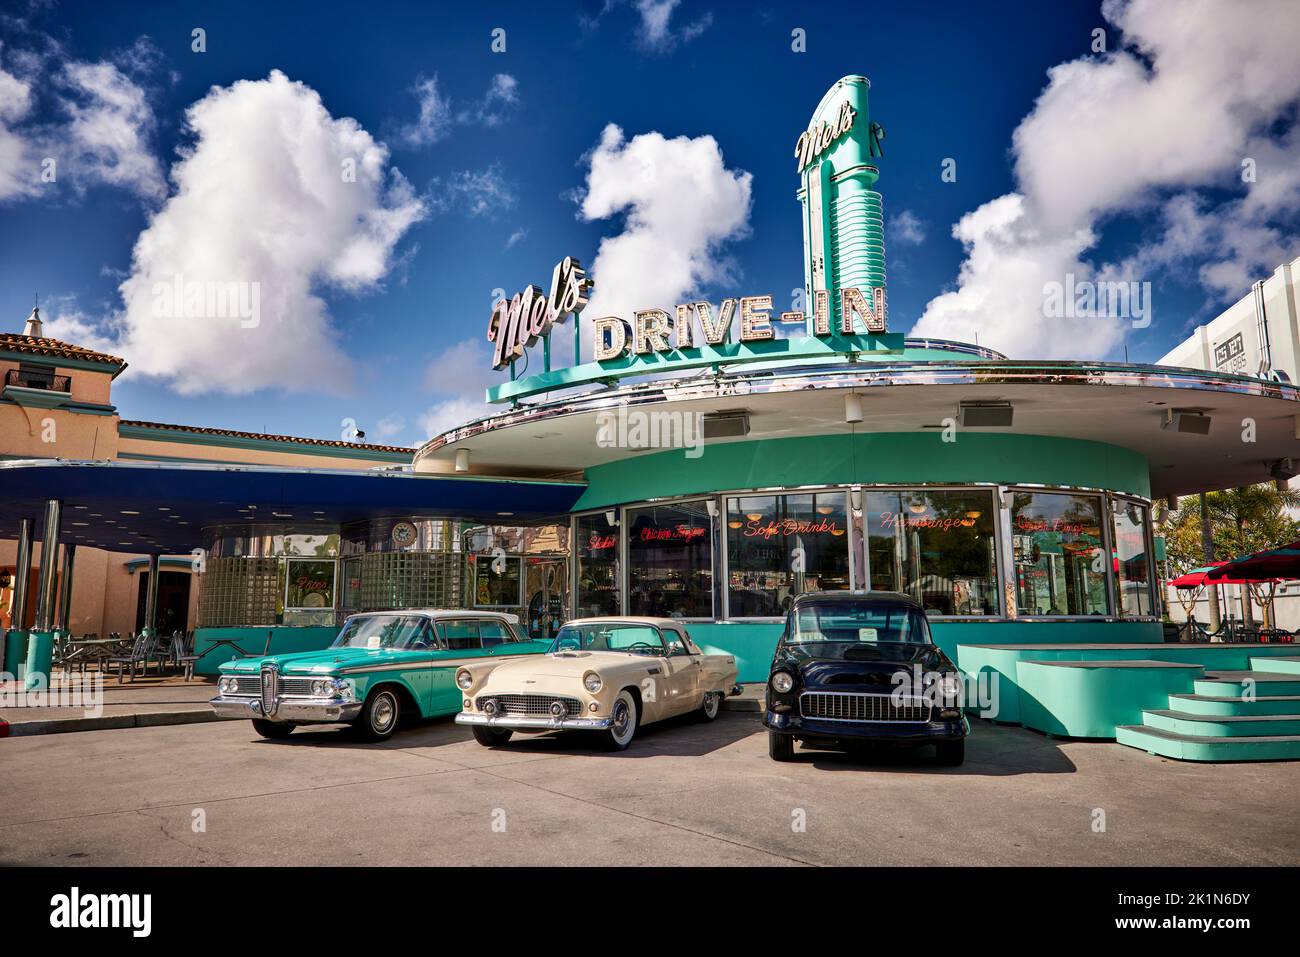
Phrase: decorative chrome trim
(870, 375)
(536, 724)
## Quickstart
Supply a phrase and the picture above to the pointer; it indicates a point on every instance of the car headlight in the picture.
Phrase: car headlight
(782, 682)
(463, 680)
(227, 685)
(591, 681)
(949, 687)
(322, 688)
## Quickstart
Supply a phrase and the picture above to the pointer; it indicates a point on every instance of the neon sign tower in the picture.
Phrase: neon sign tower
(843, 221)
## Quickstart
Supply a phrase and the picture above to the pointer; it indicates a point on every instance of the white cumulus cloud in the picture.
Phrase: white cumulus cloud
(281, 198)
(98, 130)
(681, 206)
(1186, 94)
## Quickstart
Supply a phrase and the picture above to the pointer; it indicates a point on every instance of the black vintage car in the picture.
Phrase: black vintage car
(855, 668)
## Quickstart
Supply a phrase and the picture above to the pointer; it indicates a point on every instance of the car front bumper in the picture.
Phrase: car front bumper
(534, 724)
(819, 731)
(289, 710)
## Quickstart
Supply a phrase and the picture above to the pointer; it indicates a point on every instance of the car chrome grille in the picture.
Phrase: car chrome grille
(270, 690)
(251, 685)
(848, 706)
(532, 705)
(289, 687)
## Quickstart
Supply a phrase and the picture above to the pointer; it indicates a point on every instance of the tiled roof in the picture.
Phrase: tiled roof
(33, 345)
(233, 433)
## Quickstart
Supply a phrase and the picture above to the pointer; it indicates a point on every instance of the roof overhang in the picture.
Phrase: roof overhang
(1254, 421)
(145, 507)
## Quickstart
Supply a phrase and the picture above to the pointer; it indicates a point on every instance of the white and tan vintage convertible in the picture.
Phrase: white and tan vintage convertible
(607, 676)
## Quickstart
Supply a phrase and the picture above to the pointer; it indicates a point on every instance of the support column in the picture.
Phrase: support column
(1207, 546)
(15, 643)
(151, 598)
(40, 644)
(65, 589)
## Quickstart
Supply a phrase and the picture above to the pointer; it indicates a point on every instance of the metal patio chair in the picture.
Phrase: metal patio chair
(142, 651)
(185, 656)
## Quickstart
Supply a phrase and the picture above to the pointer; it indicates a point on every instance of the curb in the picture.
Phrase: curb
(111, 722)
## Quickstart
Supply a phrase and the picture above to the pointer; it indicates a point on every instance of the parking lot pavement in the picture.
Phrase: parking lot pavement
(684, 793)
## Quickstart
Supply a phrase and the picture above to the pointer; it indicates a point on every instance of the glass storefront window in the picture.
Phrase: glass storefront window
(1132, 562)
(670, 560)
(937, 546)
(496, 581)
(1057, 541)
(596, 546)
(309, 583)
(309, 591)
(352, 583)
(781, 545)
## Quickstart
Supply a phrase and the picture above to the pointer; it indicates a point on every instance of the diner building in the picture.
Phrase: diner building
(702, 461)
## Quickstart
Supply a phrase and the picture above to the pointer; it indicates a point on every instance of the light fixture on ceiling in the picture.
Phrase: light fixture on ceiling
(985, 415)
(726, 424)
(462, 460)
(852, 408)
(1188, 421)
(1283, 470)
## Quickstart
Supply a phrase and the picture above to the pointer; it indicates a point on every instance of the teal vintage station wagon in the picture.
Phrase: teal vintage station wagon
(382, 667)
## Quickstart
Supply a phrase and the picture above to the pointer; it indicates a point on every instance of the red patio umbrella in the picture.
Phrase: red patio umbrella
(1274, 564)
(1196, 577)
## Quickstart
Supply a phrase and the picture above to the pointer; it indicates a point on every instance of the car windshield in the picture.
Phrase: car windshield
(384, 631)
(872, 622)
(633, 638)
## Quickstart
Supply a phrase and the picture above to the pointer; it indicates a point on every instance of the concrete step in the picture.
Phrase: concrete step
(1189, 747)
(1223, 726)
(1230, 683)
(1277, 664)
(1234, 704)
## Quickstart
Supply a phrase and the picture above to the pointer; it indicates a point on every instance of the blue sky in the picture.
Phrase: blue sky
(488, 190)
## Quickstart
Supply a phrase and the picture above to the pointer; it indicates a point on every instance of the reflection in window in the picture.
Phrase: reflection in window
(352, 583)
(1058, 554)
(309, 584)
(935, 545)
(670, 561)
(496, 580)
(596, 545)
(1132, 562)
(779, 546)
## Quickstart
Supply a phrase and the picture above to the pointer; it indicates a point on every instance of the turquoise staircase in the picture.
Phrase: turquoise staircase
(1249, 715)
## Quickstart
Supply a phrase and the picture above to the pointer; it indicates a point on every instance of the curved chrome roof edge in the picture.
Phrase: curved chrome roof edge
(862, 375)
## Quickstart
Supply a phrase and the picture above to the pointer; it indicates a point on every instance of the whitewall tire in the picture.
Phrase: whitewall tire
(621, 732)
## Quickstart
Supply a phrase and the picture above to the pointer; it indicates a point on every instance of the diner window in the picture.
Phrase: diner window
(596, 547)
(309, 591)
(779, 546)
(1057, 543)
(1132, 560)
(496, 581)
(352, 583)
(670, 561)
(937, 546)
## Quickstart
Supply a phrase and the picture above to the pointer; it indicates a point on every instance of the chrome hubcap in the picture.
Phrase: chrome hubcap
(711, 704)
(622, 720)
(384, 711)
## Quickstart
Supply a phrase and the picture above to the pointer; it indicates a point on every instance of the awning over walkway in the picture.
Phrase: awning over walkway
(144, 507)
